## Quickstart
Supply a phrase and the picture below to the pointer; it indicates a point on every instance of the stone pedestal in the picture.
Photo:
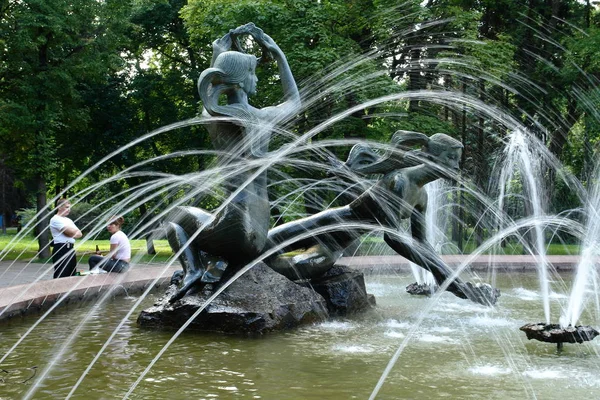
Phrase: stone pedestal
(344, 290)
(263, 300)
(553, 333)
(260, 301)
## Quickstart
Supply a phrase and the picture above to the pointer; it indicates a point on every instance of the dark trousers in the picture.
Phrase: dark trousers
(64, 260)
(108, 264)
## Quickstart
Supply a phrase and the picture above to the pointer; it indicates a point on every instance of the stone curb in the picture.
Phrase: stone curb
(40, 296)
(479, 263)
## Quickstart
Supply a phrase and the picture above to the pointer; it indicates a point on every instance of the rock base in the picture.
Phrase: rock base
(421, 289)
(344, 290)
(262, 301)
(553, 333)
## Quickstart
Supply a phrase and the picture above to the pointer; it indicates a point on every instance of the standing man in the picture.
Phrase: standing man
(64, 232)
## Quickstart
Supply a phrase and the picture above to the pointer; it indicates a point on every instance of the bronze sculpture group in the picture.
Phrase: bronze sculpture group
(210, 244)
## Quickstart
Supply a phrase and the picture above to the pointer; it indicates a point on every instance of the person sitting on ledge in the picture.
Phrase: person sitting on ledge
(120, 250)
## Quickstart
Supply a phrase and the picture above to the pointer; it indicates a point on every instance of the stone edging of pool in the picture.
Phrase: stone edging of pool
(39, 296)
(508, 263)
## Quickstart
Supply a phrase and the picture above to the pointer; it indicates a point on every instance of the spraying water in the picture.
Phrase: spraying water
(167, 192)
(522, 164)
(586, 277)
(436, 220)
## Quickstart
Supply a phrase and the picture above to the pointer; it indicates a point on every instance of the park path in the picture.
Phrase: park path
(14, 273)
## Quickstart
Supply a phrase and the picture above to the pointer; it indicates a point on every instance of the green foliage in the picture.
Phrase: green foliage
(53, 49)
(26, 215)
(80, 79)
(428, 124)
(26, 249)
(86, 215)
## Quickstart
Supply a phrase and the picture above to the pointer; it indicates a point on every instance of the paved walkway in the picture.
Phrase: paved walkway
(14, 273)
(29, 287)
(479, 263)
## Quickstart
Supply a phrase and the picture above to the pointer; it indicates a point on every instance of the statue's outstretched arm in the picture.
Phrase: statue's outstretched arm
(270, 50)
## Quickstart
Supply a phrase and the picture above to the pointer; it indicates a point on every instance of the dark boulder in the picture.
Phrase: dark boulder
(553, 333)
(259, 301)
(344, 290)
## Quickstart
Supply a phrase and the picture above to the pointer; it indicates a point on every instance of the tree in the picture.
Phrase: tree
(52, 49)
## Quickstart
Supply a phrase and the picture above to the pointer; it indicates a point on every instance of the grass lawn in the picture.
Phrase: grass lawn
(564, 249)
(26, 248)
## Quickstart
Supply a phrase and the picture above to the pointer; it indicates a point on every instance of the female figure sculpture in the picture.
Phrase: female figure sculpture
(399, 195)
(238, 232)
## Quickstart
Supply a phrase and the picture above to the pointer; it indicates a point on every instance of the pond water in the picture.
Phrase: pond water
(458, 351)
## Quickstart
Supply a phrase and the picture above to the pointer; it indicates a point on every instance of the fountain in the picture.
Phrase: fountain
(524, 156)
(212, 246)
(556, 333)
(322, 357)
(436, 227)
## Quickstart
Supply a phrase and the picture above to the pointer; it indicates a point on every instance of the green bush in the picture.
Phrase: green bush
(26, 215)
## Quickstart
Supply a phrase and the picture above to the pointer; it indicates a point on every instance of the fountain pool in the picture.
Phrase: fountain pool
(458, 350)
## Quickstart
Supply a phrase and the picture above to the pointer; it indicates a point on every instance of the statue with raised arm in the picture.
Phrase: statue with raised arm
(398, 195)
(237, 233)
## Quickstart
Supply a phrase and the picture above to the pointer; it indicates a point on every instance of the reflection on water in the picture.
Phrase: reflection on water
(461, 350)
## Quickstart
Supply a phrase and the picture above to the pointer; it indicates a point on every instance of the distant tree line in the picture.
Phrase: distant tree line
(79, 79)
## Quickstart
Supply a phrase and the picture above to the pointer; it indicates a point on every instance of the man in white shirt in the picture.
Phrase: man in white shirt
(64, 232)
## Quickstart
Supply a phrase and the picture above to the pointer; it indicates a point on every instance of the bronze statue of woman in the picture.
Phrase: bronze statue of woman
(238, 232)
(399, 195)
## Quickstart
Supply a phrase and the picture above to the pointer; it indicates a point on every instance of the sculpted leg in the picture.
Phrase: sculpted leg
(425, 257)
(323, 235)
(199, 267)
(312, 263)
(192, 268)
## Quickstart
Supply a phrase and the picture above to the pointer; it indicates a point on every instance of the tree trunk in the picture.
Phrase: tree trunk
(588, 153)
(558, 141)
(457, 228)
(415, 80)
(150, 235)
(43, 219)
(150, 244)
(461, 214)
(480, 167)
(588, 13)
(3, 179)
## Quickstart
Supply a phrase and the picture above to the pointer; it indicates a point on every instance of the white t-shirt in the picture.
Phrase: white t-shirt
(58, 225)
(123, 247)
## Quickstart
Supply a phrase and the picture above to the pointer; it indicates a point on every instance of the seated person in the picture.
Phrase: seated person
(119, 255)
